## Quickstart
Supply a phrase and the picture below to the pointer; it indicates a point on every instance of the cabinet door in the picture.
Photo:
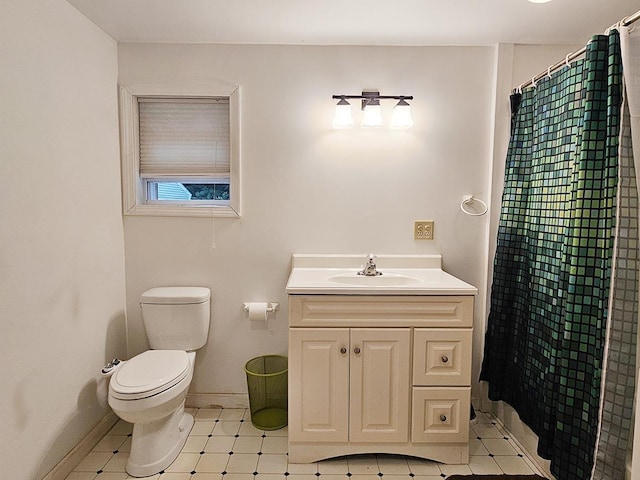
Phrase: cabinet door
(319, 384)
(380, 366)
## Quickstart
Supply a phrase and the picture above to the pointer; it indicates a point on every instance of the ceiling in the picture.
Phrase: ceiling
(355, 22)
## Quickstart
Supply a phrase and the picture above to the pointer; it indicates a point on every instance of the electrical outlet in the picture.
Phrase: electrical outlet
(423, 230)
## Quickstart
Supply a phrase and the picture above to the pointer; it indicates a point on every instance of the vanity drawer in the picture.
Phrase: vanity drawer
(440, 415)
(380, 311)
(442, 356)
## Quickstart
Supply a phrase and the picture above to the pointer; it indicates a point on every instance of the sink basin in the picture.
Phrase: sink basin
(386, 279)
(314, 274)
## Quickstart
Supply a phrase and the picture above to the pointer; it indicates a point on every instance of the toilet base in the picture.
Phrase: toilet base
(155, 445)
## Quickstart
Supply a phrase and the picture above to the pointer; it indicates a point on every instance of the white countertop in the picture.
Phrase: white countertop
(401, 275)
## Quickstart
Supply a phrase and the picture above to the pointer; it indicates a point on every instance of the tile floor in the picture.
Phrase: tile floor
(223, 445)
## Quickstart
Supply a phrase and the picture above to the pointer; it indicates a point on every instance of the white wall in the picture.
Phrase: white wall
(61, 240)
(310, 189)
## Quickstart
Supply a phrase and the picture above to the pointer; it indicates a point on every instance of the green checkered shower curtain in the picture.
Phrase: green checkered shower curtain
(564, 293)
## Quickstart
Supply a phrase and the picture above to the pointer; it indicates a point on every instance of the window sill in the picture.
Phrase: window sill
(183, 211)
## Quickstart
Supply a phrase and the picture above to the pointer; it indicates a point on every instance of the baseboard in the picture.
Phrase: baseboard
(75, 456)
(217, 400)
(476, 402)
(521, 434)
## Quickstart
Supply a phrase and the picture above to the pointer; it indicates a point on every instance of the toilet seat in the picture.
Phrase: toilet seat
(149, 373)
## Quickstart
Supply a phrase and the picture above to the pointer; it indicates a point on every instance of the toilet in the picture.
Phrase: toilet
(149, 390)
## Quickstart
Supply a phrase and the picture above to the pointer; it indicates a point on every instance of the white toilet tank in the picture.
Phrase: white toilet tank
(176, 318)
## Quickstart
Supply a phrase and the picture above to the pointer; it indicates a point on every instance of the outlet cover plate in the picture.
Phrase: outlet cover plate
(423, 230)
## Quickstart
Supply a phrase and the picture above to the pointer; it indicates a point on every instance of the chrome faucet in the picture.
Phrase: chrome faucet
(370, 269)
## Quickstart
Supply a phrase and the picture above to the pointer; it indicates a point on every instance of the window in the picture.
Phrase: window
(179, 153)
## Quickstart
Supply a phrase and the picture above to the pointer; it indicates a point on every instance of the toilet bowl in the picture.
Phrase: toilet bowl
(150, 389)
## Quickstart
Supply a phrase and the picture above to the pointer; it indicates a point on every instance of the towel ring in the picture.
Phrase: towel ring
(469, 199)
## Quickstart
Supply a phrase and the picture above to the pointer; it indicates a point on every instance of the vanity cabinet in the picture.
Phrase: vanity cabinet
(354, 384)
(386, 374)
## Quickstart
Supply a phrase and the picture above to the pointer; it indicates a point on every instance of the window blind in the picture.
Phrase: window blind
(184, 137)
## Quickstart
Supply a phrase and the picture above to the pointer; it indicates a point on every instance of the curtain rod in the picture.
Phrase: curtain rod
(572, 56)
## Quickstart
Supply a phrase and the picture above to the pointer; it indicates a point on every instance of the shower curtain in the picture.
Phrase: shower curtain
(560, 343)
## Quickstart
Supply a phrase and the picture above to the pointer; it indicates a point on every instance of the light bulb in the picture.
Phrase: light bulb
(372, 114)
(401, 117)
(343, 117)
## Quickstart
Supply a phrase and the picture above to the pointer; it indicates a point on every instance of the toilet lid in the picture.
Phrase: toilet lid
(150, 373)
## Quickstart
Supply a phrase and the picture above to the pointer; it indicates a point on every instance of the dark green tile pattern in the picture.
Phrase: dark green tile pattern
(549, 301)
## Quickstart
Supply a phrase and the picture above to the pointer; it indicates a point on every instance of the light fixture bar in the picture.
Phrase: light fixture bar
(374, 96)
(371, 97)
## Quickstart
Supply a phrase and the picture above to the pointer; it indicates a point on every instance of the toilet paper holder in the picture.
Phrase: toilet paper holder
(271, 306)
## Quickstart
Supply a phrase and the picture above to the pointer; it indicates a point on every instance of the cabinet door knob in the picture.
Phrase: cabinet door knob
(445, 359)
(443, 418)
(356, 350)
(343, 350)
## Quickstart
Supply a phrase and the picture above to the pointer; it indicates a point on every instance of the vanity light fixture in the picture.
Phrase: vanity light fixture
(401, 116)
(372, 113)
(372, 117)
(343, 117)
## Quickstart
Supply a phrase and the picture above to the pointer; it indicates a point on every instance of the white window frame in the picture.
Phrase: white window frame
(133, 187)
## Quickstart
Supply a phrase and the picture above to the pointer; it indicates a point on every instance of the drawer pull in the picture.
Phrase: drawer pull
(445, 359)
(343, 350)
(443, 418)
(356, 350)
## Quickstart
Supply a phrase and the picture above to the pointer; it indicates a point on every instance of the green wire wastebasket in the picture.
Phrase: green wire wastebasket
(267, 378)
